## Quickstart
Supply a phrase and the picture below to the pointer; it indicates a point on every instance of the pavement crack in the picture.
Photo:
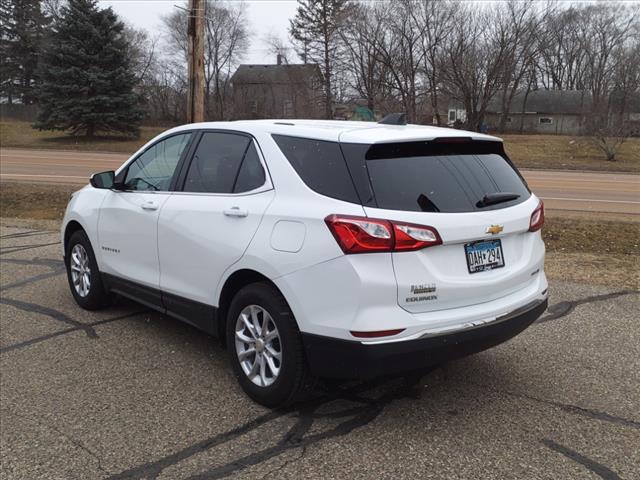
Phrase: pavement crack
(33, 341)
(575, 409)
(295, 437)
(36, 278)
(77, 443)
(19, 248)
(286, 463)
(51, 313)
(56, 266)
(27, 233)
(601, 470)
(562, 309)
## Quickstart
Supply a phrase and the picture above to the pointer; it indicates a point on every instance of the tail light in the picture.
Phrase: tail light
(367, 235)
(537, 218)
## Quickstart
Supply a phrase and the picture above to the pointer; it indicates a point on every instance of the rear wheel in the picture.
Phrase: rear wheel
(265, 346)
(83, 274)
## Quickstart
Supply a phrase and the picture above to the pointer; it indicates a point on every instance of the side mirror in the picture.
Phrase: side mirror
(103, 179)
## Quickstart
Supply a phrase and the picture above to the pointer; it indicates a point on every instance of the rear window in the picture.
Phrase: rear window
(320, 165)
(436, 177)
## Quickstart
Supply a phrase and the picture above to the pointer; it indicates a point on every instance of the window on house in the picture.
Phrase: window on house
(545, 120)
(508, 119)
(287, 109)
(452, 115)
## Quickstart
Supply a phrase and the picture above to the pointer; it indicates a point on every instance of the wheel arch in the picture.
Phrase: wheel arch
(72, 227)
(236, 281)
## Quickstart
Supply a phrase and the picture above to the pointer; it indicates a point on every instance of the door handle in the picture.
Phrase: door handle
(235, 212)
(149, 205)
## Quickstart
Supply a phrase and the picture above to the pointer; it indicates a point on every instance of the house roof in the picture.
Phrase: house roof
(572, 102)
(275, 74)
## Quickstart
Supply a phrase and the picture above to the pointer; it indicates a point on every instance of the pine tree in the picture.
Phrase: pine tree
(314, 30)
(22, 24)
(87, 82)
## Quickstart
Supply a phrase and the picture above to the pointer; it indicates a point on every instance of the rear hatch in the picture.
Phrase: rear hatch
(469, 191)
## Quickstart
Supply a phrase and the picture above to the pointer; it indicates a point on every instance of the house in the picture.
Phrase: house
(277, 91)
(538, 111)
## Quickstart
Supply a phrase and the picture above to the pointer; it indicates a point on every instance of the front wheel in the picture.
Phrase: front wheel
(83, 274)
(265, 346)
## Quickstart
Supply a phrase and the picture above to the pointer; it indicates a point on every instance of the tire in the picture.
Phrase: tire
(89, 295)
(293, 377)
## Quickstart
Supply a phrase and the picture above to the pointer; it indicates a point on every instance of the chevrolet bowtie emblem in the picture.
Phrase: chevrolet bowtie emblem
(494, 229)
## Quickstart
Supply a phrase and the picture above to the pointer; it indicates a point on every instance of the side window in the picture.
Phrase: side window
(251, 174)
(216, 163)
(154, 169)
(320, 165)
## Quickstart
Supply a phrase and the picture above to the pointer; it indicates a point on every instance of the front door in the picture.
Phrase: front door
(128, 221)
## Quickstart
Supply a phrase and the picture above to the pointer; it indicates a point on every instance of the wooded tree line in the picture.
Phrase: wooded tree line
(414, 56)
(401, 55)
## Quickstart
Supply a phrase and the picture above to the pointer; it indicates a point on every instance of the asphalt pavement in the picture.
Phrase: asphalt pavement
(128, 393)
(560, 189)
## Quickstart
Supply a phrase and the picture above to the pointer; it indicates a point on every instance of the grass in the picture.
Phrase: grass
(34, 201)
(583, 250)
(527, 151)
(593, 251)
(569, 153)
(14, 134)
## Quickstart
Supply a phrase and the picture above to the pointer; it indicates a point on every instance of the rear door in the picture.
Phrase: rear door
(443, 185)
(207, 226)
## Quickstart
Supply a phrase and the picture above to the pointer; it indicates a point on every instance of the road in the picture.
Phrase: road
(128, 393)
(561, 190)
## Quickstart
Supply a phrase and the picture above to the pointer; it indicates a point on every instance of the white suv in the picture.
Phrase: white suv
(316, 248)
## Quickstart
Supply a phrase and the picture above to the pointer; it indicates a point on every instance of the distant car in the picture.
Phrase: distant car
(316, 248)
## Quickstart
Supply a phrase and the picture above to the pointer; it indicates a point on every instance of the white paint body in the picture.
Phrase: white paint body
(187, 246)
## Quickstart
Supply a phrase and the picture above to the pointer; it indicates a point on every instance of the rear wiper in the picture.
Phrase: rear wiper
(427, 205)
(497, 197)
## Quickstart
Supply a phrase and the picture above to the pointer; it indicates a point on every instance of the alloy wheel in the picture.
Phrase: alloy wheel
(80, 270)
(258, 345)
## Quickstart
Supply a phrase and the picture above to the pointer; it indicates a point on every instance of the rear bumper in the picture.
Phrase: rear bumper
(336, 358)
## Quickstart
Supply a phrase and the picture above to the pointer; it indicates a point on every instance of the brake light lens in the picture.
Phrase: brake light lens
(537, 218)
(367, 235)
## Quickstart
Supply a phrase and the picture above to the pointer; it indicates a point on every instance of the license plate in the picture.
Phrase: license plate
(484, 255)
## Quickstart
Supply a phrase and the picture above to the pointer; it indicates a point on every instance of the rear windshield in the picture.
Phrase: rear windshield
(436, 177)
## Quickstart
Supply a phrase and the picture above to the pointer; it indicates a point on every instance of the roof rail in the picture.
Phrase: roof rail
(394, 119)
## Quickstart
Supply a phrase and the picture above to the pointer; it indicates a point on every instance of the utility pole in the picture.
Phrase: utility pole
(195, 31)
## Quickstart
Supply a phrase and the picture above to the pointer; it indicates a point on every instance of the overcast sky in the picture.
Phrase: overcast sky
(264, 16)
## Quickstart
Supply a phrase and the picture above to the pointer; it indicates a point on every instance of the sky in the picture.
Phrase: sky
(264, 17)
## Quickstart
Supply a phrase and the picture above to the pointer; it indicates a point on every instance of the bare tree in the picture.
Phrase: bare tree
(608, 138)
(362, 36)
(603, 30)
(278, 47)
(560, 59)
(521, 24)
(436, 20)
(474, 61)
(227, 40)
(400, 51)
(142, 51)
